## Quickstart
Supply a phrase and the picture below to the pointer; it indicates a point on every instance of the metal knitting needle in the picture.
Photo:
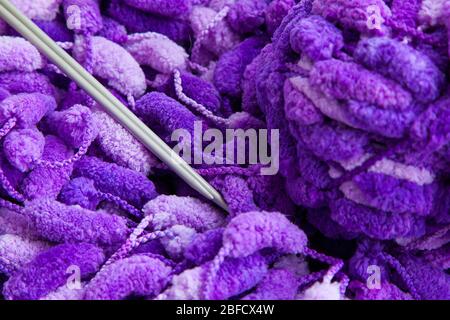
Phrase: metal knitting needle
(113, 106)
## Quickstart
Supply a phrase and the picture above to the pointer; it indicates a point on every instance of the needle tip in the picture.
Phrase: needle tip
(221, 203)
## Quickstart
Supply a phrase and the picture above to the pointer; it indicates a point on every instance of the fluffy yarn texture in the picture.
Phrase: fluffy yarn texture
(48, 271)
(114, 64)
(136, 276)
(111, 178)
(347, 101)
(23, 147)
(119, 145)
(61, 223)
(17, 54)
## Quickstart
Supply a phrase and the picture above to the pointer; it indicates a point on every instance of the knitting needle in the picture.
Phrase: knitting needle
(113, 106)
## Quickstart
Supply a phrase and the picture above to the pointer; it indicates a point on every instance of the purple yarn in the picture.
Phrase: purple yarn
(430, 283)
(278, 284)
(165, 8)
(26, 82)
(22, 147)
(238, 275)
(113, 30)
(12, 174)
(17, 54)
(167, 211)
(387, 123)
(197, 89)
(275, 12)
(80, 191)
(431, 130)
(55, 29)
(368, 253)
(390, 194)
(387, 291)
(402, 64)
(137, 21)
(252, 231)
(357, 90)
(351, 14)
(246, 15)
(135, 276)
(331, 142)
(204, 246)
(48, 271)
(321, 219)
(298, 108)
(231, 66)
(317, 38)
(371, 222)
(164, 114)
(348, 80)
(236, 193)
(19, 106)
(46, 182)
(58, 222)
(74, 126)
(304, 193)
(127, 184)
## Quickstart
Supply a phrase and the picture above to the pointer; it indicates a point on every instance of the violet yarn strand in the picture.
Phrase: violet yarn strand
(3, 179)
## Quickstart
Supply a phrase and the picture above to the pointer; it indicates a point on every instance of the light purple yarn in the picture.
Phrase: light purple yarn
(357, 89)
